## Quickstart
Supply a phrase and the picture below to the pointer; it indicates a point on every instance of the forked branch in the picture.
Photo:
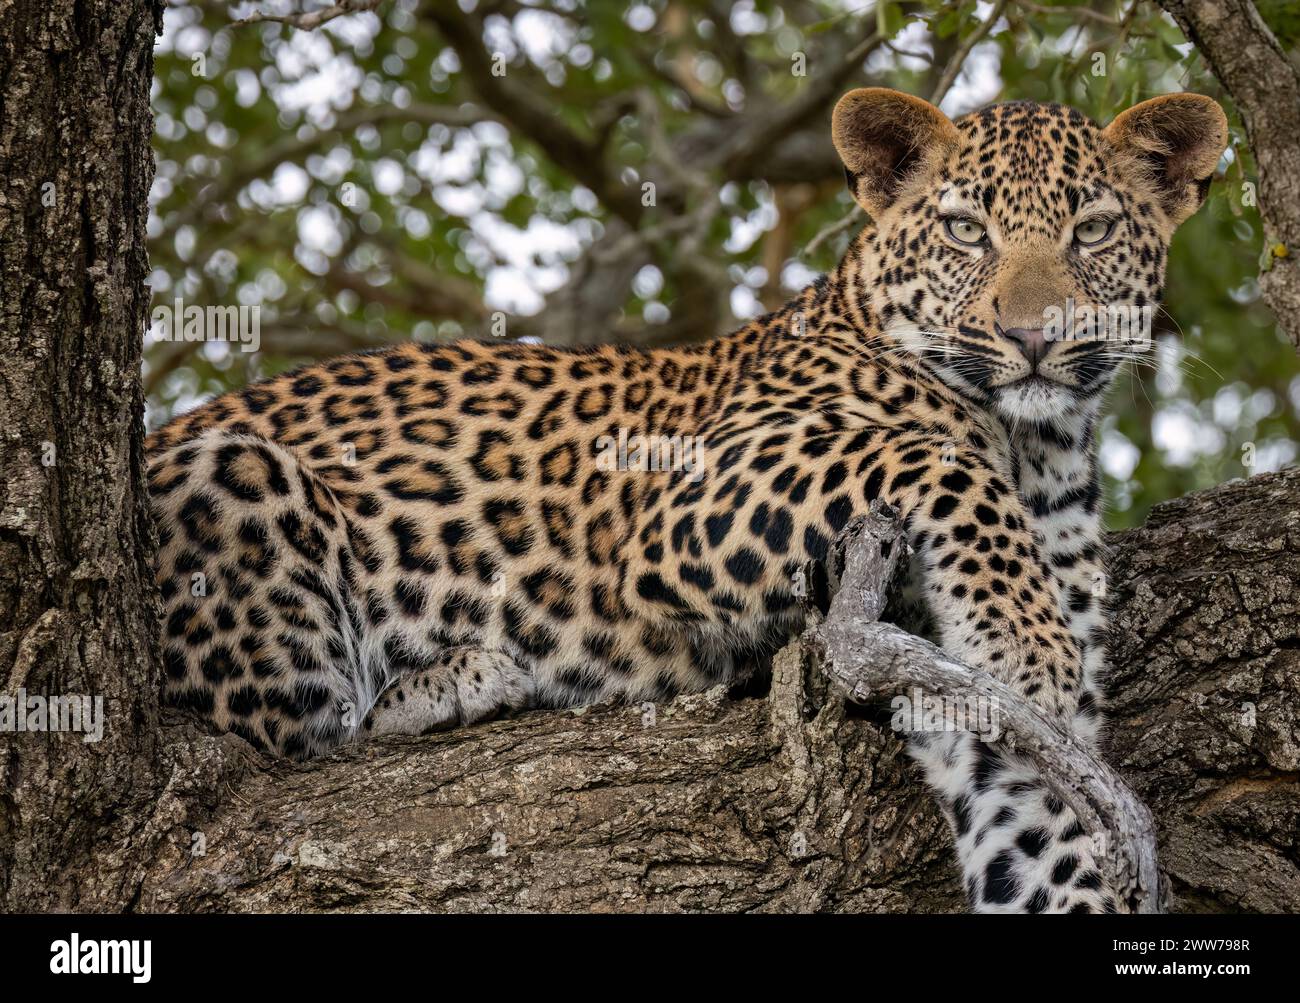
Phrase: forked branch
(868, 659)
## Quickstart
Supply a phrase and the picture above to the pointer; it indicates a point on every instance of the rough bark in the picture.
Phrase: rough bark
(76, 596)
(1265, 87)
(1206, 690)
(786, 800)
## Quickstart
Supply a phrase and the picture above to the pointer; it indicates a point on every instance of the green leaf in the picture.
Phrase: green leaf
(889, 19)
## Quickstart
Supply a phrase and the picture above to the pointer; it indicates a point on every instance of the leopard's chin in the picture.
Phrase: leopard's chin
(1034, 400)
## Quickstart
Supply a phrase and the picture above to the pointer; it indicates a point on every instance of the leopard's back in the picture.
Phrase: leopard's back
(330, 530)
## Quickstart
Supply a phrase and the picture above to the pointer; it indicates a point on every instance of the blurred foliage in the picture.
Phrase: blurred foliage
(344, 181)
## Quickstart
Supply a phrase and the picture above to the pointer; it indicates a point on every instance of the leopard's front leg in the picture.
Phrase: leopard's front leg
(1020, 848)
(998, 607)
(1057, 476)
(994, 601)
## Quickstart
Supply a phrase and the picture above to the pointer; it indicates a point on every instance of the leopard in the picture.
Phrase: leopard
(430, 535)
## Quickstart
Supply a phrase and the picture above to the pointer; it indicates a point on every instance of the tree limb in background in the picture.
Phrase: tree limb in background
(531, 113)
(791, 201)
(308, 20)
(293, 148)
(1071, 11)
(423, 292)
(761, 142)
(855, 217)
(765, 124)
(958, 59)
(790, 147)
(1265, 87)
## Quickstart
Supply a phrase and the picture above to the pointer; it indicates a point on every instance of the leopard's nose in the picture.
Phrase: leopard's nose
(1032, 342)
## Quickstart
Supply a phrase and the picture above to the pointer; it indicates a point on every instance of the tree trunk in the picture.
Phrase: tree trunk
(1265, 87)
(77, 606)
(781, 801)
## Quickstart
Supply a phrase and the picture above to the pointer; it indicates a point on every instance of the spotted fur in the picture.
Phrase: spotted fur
(422, 536)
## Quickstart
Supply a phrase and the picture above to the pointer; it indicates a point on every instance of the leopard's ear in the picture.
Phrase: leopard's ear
(1175, 141)
(886, 139)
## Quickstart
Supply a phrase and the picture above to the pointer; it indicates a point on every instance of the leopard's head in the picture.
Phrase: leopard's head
(1020, 250)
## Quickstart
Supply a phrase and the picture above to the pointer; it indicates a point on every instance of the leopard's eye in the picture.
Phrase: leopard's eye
(965, 230)
(1094, 231)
